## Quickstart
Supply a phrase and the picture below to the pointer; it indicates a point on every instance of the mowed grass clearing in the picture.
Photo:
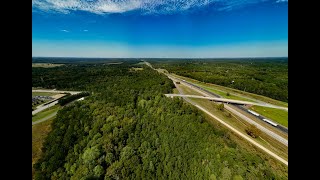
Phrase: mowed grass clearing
(45, 113)
(136, 69)
(39, 133)
(278, 115)
(224, 94)
(43, 94)
(46, 65)
(175, 91)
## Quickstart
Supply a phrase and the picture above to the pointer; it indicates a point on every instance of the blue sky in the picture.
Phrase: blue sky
(159, 28)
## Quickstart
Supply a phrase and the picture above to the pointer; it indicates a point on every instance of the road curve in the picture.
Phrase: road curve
(44, 107)
(45, 118)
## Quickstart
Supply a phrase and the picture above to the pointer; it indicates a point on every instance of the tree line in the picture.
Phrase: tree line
(268, 77)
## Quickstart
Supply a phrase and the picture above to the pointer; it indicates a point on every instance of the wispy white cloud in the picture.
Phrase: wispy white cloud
(64, 30)
(145, 6)
(280, 1)
(85, 30)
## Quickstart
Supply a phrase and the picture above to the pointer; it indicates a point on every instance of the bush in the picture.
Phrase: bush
(220, 107)
(253, 131)
(227, 114)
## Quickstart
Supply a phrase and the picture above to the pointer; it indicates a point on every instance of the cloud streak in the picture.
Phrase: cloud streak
(64, 30)
(281, 1)
(144, 6)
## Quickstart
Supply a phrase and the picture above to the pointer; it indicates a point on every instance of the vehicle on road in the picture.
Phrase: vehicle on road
(270, 122)
(254, 113)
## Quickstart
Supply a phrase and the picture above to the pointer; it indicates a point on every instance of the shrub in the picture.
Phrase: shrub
(253, 131)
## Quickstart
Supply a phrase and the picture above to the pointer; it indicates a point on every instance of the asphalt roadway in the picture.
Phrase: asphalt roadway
(233, 129)
(229, 101)
(250, 121)
(51, 103)
(45, 118)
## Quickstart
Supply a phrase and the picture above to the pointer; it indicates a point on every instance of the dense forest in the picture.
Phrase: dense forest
(127, 129)
(268, 77)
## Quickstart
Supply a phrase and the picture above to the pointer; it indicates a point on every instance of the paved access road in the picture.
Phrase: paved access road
(45, 118)
(53, 102)
(44, 107)
(55, 91)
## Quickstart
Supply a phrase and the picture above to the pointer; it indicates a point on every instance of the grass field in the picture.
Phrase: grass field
(224, 94)
(46, 65)
(45, 113)
(136, 69)
(278, 115)
(43, 94)
(236, 93)
(39, 133)
(175, 91)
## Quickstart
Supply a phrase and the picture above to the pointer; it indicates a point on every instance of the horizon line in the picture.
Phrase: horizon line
(159, 57)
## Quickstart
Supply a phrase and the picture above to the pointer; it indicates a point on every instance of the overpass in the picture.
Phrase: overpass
(231, 101)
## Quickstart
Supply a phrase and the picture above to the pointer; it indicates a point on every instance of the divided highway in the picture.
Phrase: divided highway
(228, 107)
(227, 100)
(232, 129)
(232, 109)
(244, 136)
(208, 93)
